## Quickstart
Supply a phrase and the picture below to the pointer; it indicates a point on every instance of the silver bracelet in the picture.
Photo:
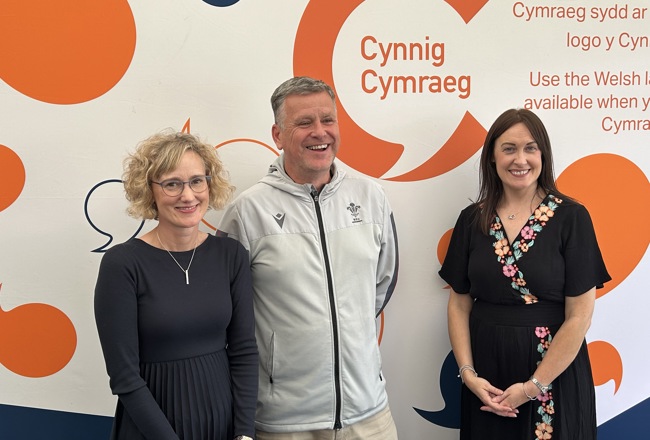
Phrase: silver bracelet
(529, 397)
(466, 367)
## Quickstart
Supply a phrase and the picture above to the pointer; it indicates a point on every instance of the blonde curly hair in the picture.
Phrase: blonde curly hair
(160, 154)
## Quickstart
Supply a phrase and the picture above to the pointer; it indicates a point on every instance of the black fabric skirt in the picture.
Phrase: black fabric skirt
(195, 395)
(507, 344)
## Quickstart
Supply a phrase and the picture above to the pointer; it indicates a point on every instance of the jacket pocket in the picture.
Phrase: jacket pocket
(269, 361)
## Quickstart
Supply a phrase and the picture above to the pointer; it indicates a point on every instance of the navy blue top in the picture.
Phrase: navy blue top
(182, 358)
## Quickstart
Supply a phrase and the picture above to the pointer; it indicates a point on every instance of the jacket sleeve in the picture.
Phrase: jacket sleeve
(231, 225)
(388, 263)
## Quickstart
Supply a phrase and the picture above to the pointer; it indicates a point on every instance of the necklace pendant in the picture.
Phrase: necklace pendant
(187, 274)
(512, 216)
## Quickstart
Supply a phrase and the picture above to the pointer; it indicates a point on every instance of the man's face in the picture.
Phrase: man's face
(308, 134)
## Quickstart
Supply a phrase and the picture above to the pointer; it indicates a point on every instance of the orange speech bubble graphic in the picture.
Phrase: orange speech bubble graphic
(606, 364)
(36, 340)
(312, 56)
(467, 9)
(12, 177)
(65, 51)
(235, 141)
(463, 143)
(443, 245)
(599, 182)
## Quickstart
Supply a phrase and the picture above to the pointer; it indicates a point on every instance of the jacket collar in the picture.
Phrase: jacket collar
(278, 178)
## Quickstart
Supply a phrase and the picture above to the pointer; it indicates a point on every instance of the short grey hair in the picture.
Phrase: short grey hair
(299, 85)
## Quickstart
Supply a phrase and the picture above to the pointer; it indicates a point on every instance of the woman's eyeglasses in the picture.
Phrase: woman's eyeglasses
(175, 187)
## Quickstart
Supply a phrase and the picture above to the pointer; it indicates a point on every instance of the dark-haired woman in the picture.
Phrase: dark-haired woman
(523, 265)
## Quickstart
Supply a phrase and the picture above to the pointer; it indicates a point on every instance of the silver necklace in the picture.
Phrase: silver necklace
(187, 273)
(530, 210)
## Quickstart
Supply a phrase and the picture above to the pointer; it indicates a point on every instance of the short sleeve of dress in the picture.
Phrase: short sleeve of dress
(455, 267)
(584, 264)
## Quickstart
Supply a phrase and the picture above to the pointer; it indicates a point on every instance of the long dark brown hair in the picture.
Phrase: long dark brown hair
(490, 185)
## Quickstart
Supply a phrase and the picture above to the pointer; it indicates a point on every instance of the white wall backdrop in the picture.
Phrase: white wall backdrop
(83, 82)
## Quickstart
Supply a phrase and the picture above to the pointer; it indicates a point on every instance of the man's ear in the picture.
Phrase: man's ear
(275, 134)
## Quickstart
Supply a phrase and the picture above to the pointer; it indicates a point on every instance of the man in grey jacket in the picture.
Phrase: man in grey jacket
(324, 259)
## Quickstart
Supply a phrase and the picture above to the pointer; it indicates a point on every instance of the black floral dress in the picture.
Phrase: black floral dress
(519, 290)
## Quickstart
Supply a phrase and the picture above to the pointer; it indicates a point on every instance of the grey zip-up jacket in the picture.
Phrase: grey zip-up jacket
(324, 266)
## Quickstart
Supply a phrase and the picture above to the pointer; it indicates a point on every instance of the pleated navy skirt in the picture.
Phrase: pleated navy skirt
(195, 395)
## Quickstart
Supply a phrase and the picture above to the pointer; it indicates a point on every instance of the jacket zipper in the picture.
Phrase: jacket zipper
(335, 325)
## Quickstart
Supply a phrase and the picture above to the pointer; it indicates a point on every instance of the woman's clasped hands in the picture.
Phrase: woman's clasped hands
(502, 403)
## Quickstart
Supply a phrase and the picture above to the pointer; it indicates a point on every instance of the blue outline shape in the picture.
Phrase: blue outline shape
(106, 234)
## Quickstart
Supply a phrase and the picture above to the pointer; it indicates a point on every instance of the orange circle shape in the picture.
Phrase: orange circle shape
(604, 183)
(36, 340)
(12, 177)
(65, 51)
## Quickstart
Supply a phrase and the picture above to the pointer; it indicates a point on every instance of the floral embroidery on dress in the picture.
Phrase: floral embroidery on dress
(508, 254)
(545, 409)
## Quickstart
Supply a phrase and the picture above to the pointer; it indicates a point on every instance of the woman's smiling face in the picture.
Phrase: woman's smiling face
(517, 158)
(188, 208)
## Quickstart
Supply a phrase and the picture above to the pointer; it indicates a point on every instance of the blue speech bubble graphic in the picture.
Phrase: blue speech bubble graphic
(103, 248)
(450, 385)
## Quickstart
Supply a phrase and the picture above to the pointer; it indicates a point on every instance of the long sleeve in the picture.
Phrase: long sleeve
(242, 346)
(116, 316)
